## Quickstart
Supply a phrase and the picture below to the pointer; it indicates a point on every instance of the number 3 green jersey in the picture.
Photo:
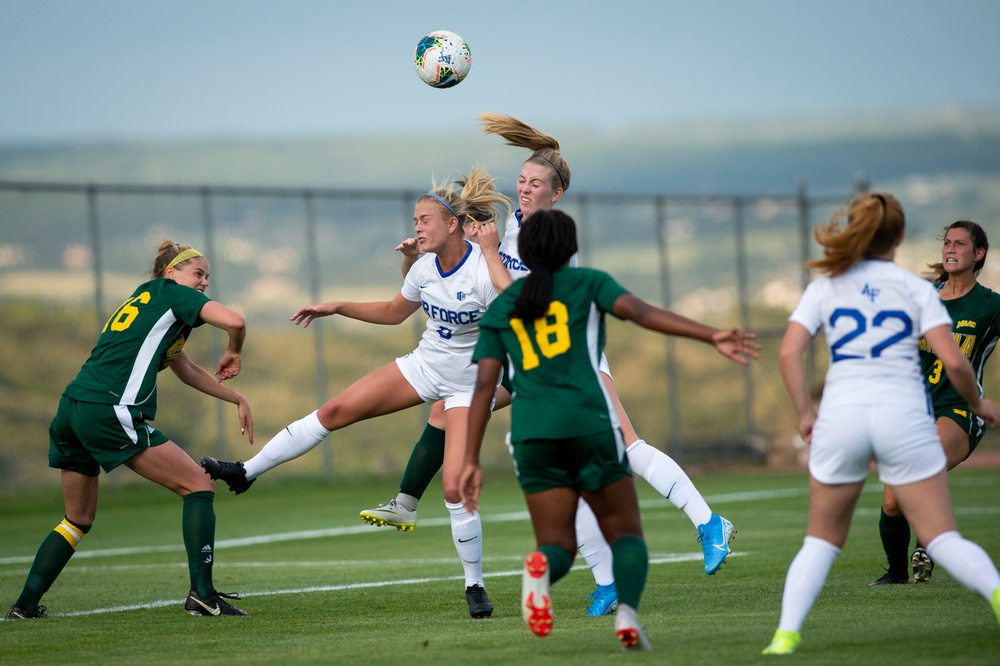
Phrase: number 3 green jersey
(557, 391)
(144, 335)
(976, 325)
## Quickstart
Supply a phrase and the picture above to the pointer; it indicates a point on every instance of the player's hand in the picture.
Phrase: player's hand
(988, 412)
(736, 345)
(228, 367)
(806, 423)
(246, 419)
(488, 237)
(409, 248)
(307, 314)
(469, 485)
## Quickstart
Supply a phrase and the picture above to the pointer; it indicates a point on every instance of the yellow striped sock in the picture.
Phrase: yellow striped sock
(73, 534)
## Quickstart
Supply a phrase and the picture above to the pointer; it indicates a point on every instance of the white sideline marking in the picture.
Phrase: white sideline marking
(162, 603)
(438, 522)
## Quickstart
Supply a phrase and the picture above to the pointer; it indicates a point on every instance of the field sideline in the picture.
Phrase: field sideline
(322, 587)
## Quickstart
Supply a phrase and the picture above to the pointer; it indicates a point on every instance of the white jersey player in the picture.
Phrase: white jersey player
(452, 285)
(874, 405)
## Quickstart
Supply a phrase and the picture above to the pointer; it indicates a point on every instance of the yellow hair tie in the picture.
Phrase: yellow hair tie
(189, 253)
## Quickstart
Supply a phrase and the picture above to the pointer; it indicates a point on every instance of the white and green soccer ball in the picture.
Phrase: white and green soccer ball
(442, 59)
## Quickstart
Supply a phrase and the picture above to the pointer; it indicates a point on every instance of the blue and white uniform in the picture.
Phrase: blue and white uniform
(441, 366)
(874, 405)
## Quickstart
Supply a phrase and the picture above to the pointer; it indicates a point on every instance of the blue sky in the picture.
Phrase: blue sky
(194, 69)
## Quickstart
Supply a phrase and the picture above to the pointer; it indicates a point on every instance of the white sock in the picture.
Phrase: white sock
(593, 547)
(293, 440)
(966, 562)
(467, 533)
(804, 581)
(667, 477)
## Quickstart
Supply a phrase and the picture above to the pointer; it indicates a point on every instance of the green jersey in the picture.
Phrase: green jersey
(557, 390)
(144, 335)
(976, 325)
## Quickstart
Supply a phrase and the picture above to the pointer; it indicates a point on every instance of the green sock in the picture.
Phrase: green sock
(425, 461)
(198, 527)
(52, 556)
(895, 534)
(560, 561)
(631, 565)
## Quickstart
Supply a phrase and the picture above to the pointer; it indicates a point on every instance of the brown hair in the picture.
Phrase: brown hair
(979, 240)
(546, 148)
(875, 221)
(164, 255)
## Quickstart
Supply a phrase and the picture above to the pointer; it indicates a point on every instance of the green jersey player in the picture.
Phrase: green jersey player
(564, 429)
(975, 314)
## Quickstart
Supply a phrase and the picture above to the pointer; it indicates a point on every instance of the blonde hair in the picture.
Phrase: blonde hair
(874, 223)
(166, 253)
(477, 199)
(546, 148)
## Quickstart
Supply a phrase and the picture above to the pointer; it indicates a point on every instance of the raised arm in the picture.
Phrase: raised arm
(488, 238)
(732, 343)
(235, 326)
(390, 313)
(410, 249)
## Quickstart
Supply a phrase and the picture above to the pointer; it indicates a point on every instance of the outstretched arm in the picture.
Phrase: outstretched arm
(391, 312)
(732, 343)
(197, 377)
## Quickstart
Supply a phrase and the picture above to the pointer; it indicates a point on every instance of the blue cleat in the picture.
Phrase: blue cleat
(715, 536)
(603, 600)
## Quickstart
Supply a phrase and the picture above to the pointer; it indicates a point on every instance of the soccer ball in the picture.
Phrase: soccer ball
(442, 59)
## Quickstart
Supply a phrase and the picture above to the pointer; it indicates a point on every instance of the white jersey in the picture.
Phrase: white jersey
(873, 317)
(508, 248)
(454, 302)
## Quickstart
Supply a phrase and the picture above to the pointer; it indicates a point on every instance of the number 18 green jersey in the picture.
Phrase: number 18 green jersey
(557, 391)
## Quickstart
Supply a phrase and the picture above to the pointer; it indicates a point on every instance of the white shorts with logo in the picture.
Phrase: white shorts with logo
(901, 438)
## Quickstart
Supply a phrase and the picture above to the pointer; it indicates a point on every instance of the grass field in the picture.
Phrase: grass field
(321, 587)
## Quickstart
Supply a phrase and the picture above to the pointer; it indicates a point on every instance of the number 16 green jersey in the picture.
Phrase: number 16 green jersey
(144, 335)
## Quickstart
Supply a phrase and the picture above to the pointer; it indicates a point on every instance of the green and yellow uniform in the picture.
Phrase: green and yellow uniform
(976, 325)
(563, 425)
(103, 412)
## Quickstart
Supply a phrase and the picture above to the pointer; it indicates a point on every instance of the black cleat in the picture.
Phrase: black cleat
(891, 578)
(233, 473)
(214, 605)
(16, 613)
(479, 603)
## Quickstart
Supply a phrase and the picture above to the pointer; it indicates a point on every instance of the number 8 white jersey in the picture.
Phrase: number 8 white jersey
(873, 317)
(454, 302)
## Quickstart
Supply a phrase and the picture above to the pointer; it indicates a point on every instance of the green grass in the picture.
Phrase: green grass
(348, 593)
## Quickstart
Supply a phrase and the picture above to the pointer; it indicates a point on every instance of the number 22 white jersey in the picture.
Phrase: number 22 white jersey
(454, 302)
(873, 317)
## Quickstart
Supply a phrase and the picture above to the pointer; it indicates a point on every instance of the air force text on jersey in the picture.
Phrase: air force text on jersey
(457, 318)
